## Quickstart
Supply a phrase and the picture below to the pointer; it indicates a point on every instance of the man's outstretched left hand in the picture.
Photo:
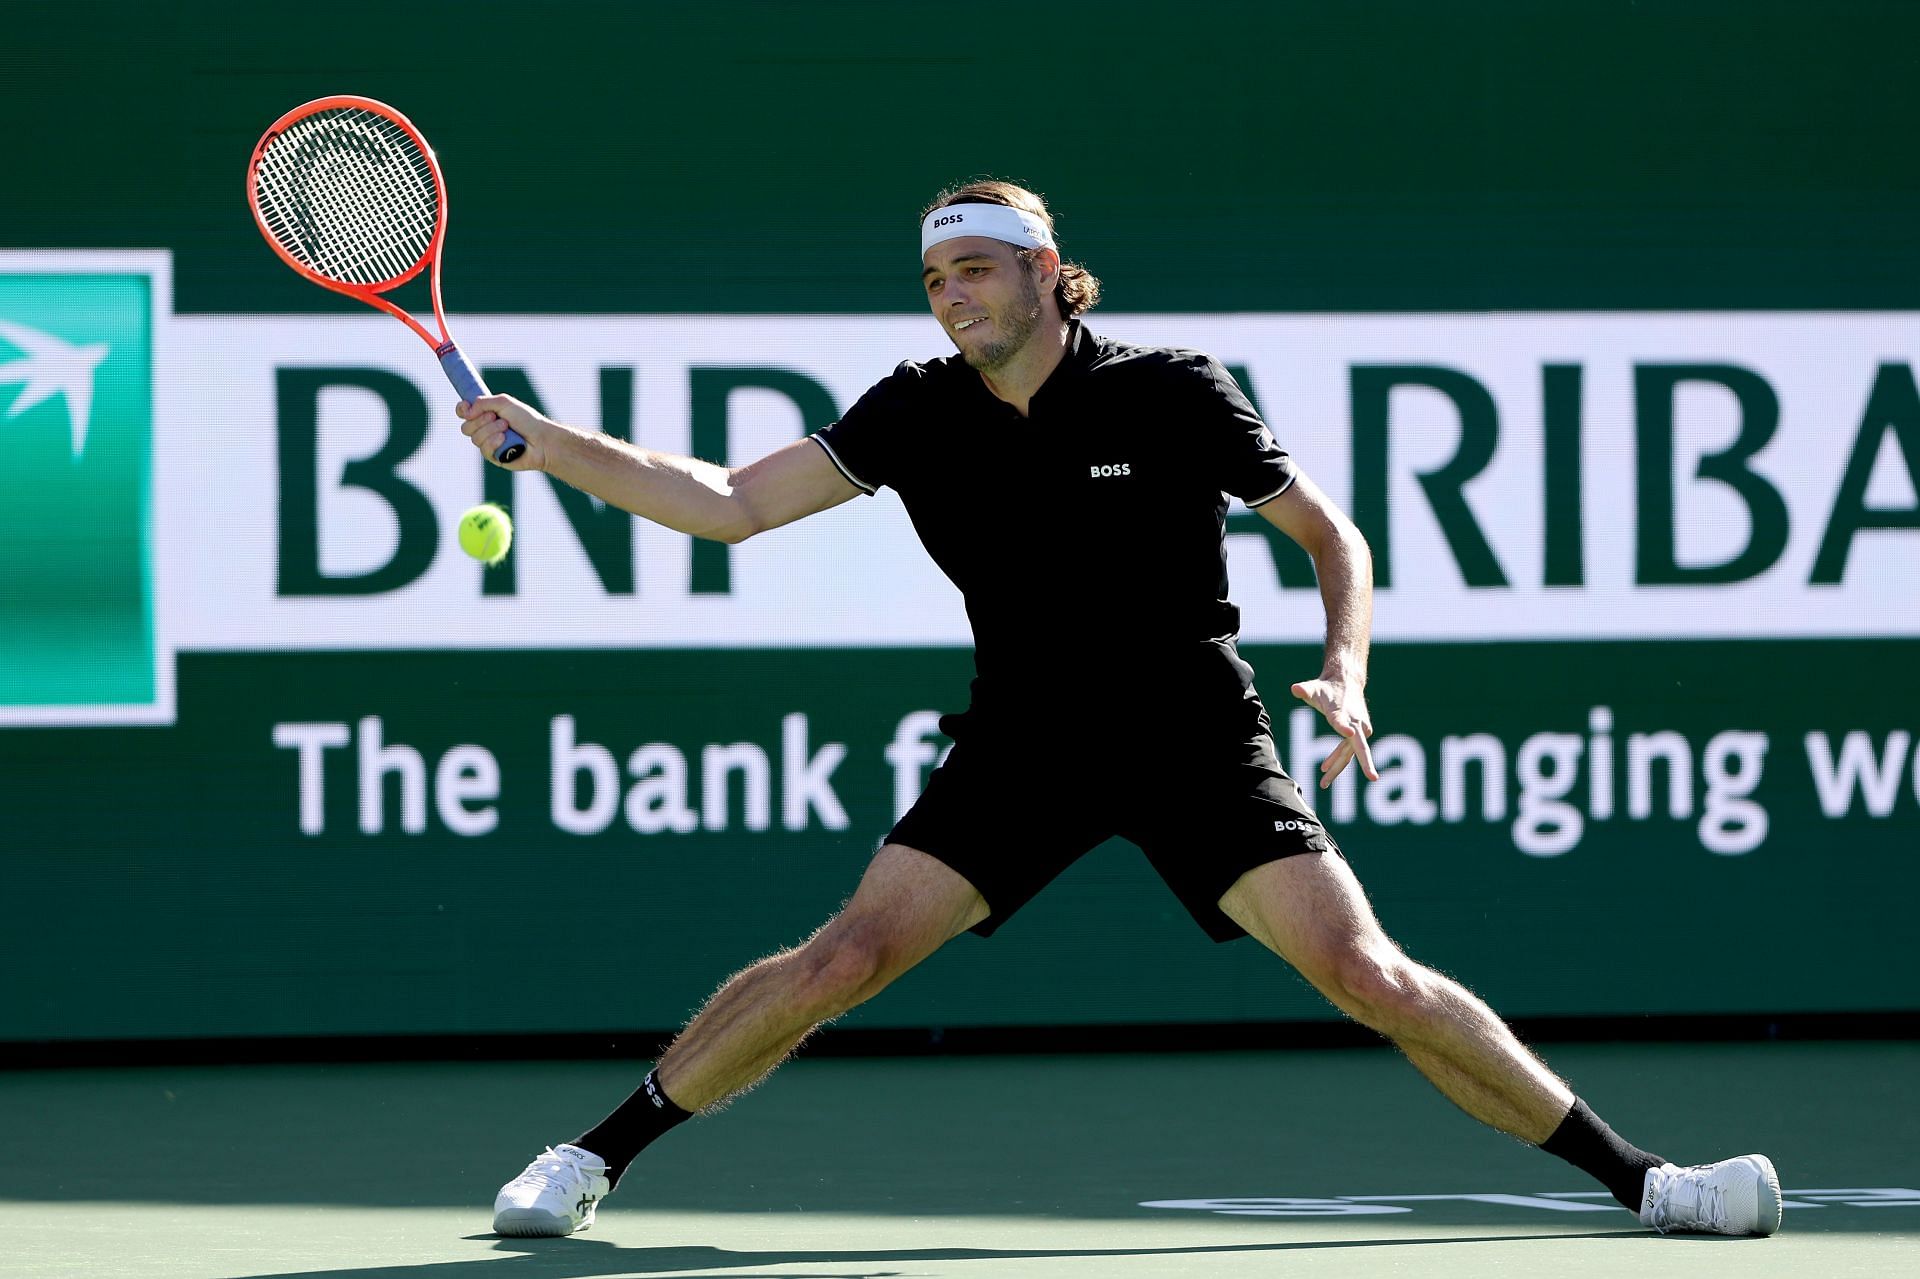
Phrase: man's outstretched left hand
(1345, 707)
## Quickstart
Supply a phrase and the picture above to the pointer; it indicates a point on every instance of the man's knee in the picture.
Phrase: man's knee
(1377, 986)
(846, 964)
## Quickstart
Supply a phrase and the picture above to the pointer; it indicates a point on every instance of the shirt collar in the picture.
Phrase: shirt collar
(1083, 348)
(1083, 351)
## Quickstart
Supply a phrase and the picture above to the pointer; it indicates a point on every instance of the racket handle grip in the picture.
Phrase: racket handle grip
(466, 380)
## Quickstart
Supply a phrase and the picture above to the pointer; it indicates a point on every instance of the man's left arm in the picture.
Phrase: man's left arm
(1344, 566)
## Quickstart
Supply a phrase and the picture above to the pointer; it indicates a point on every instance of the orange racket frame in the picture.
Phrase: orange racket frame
(465, 378)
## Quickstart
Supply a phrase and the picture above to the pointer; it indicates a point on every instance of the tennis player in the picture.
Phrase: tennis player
(1092, 671)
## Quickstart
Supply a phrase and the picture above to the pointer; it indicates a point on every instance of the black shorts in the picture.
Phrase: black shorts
(1011, 808)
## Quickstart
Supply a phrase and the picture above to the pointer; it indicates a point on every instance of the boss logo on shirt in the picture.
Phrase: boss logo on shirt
(1305, 828)
(1116, 468)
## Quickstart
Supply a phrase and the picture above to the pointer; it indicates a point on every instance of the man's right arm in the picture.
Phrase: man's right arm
(727, 504)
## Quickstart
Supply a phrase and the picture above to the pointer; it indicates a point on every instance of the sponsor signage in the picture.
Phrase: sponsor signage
(1531, 477)
(80, 640)
(1610, 550)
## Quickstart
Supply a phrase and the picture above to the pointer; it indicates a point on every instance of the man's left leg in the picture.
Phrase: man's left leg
(1310, 910)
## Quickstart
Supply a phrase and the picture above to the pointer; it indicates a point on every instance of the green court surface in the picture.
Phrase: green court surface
(955, 1166)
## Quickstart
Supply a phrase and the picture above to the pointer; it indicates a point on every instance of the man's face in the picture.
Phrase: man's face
(984, 296)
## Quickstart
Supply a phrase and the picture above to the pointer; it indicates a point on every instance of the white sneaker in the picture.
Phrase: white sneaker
(554, 1196)
(1738, 1196)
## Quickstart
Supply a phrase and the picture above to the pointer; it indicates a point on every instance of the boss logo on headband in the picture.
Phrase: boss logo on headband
(948, 220)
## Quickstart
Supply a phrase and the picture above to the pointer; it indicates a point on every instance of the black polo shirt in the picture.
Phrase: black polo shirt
(1088, 537)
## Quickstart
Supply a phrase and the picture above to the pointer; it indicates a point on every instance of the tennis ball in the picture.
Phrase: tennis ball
(486, 532)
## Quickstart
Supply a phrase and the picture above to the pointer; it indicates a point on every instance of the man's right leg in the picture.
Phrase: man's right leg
(907, 906)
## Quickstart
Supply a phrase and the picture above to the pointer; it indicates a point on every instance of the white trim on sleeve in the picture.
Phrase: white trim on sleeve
(1262, 501)
(833, 457)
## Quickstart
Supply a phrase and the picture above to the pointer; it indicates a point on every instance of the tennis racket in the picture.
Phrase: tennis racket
(350, 195)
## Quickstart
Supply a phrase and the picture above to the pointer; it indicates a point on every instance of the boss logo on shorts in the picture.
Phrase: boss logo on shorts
(1305, 828)
(1114, 468)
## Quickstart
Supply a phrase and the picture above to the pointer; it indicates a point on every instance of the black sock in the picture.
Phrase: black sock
(632, 1127)
(1586, 1142)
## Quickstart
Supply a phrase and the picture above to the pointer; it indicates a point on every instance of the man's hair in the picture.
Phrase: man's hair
(1077, 290)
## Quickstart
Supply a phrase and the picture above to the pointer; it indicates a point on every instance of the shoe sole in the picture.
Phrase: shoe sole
(1769, 1197)
(532, 1223)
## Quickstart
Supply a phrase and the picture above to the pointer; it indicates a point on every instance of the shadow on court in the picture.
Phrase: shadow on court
(581, 1259)
(1086, 1138)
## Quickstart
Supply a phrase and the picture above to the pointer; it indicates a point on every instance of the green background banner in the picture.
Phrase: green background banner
(160, 884)
(765, 156)
(382, 842)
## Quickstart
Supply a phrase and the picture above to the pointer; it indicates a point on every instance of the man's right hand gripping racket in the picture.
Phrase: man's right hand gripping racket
(349, 194)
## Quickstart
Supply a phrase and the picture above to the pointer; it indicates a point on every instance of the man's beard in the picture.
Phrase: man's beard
(1016, 327)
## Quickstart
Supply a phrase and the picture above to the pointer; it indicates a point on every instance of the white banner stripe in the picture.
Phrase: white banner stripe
(857, 576)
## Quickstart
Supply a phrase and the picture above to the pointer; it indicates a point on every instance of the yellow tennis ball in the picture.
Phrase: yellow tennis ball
(486, 532)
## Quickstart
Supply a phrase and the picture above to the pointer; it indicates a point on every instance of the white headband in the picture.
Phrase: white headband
(995, 221)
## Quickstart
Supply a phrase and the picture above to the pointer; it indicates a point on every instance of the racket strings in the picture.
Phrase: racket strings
(352, 218)
(341, 231)
(349, 193)
(374, 215)
(372, 208)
